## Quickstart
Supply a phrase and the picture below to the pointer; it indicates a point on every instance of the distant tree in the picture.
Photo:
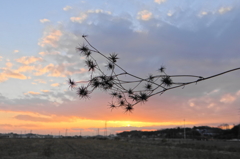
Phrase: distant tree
(126, 89)
(223, 126)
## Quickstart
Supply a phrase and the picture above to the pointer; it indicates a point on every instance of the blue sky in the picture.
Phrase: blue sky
(37, 55)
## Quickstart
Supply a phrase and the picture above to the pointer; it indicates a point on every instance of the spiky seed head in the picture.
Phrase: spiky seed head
(103, 77)
(110, 66)
(113, 57)
(143, 97)
(112, 106)
(167, 81)
(91, 65)
(130, 91)
(83, 49)
(114, 94)
(87, 54)
(150, 77)
(129, 108)
(121, 103)
(134, 97)
(120, 96)
(95, 83)
(162, 69)
(71, 83)
(148, 86)
(83, 92)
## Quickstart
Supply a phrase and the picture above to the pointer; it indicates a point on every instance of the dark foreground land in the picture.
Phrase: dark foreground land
(117, 149)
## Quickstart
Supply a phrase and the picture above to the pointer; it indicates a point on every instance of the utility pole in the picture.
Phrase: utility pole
(184, 130)
(239, 125)
(105, 131)
(66, 132)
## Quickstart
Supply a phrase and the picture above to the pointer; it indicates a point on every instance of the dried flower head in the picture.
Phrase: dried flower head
(112, 106)
(83, 92)
(129, 108)
(121, 103)
(91, 65)
(167, 81)
(143, 97)
(130, 91)
(148, 86)
(110, 66)
(71, 83)
(95, 83)
(83, 49)
(162, 69)
(150, 77)
(113, 57)
(114, 94)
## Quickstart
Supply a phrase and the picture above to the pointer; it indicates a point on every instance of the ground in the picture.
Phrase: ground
(117, 149)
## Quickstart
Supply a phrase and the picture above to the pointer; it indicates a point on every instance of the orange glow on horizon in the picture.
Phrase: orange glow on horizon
(20, 121)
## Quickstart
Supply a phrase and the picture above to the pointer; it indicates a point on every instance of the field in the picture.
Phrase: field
(117, 149)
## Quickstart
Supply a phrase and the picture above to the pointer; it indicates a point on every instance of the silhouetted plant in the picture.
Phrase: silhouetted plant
(126, 93)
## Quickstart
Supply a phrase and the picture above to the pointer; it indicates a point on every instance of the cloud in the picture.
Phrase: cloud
(15, 51)
(32, 93)
(48, 53)
(50, 38)
(67, 8)
(26, 68)
(11, 74)
(79, 19)
(223, 10)
(41, 119)
(99, 11)
(55, 84)
(9, 64)
(227, 99)
(61, 70)
(144, 15)
(45, 91)
(160, 1)
(28, 59)
(40, 81)
(44, 20)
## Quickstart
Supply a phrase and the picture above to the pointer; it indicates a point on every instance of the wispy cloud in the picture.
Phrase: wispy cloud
(6, 74)
(15, 51)
(67, 8)
(28, 59)
(160, 1)
(45, 91)
(55, 84)
(44, 20)
(144, 15)
(40, 81)
(32, 93)
(79, 19)
(223, 10)
(50, 38)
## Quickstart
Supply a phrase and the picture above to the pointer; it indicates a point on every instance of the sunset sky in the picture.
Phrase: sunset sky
(38, 41)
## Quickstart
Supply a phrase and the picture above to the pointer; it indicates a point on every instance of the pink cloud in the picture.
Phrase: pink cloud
(33, 93)
(45, 91)
(227, 99)
(51, 38)
(6, 74)
(55, 84)
(28, 60)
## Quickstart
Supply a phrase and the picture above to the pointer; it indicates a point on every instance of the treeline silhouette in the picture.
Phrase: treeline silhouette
(196, 132)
